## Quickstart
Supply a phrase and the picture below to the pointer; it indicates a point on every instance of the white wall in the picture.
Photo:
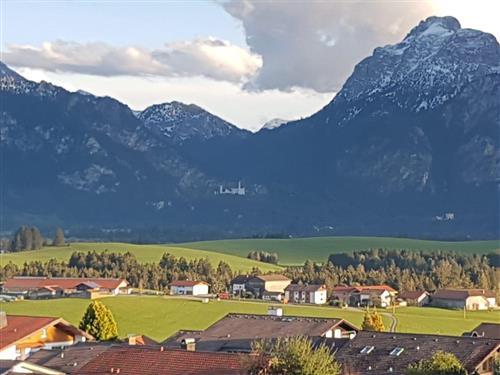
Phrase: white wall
(200, 289)
(9, 353)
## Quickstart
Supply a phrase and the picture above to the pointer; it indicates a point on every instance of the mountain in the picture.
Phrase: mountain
(410, 139)
(274, 123)
(180, 122)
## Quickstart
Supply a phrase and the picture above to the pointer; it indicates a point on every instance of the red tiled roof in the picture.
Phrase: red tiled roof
(20, 326)
(153, 361)
(186, 283)
(64, 283)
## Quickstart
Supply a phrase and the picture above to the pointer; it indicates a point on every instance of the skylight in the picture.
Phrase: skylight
(397, 351)
(367, 349)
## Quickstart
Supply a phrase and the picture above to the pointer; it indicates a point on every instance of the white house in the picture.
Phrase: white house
(239, 284)
(315, 294)
(188, 288)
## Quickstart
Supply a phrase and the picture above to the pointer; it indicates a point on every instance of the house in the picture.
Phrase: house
(272, 296)
(239, 284)
(188, 288)
(488, 330)
(21, 335)
(381, 353)
(102, 358)
(370, 295)
(315, 294)
(469, 299)
(415, 298)
(236, 332)
(53, 287)
(270, 283)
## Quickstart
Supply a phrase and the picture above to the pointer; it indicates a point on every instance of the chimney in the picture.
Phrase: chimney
(189, 344)
(3, 319)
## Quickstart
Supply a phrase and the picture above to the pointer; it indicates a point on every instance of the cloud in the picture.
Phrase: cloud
(208, 57)
(316, 44)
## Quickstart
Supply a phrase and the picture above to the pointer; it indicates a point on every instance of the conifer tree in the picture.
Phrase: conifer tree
(98, 321)
(59, 238)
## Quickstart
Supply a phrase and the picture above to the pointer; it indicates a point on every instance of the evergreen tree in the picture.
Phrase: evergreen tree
(441, 363)
(99, 322)
(59, 238)
(27, 238)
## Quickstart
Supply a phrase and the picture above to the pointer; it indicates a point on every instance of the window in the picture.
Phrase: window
(44, 334)
(367, 349)
(397, 351)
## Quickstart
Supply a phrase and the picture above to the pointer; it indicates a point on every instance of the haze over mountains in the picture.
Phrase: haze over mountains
(409, 146)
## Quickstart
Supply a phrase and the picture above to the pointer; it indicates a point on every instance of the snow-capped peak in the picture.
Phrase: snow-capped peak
(274, 123)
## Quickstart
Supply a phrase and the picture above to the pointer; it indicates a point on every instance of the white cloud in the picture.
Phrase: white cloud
(210, 57)
(316, 44)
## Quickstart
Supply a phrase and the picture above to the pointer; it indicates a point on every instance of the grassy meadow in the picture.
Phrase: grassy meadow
(159, 317)
(297, 250)
(144, 253)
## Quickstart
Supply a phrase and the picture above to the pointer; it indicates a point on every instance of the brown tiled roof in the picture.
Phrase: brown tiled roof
(458, 294)
(186, 283)
(62, 282)
(19, 327)
(305, 288)
(273, 277)
(236, 332)
(349, 289)
(488, 330)
(414, 294)
(152, 361)
(470, 351)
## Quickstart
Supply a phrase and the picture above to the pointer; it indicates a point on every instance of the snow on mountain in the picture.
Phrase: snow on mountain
(430, 66)
(274, 123)
(180, 122)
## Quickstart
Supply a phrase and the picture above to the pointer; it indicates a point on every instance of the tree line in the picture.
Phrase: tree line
(263, 256)
(402, 269)
(30, 238)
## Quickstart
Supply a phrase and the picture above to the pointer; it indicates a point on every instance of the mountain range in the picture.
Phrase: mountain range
(408, 146)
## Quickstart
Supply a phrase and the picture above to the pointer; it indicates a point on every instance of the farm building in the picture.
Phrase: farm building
(470, 299)
(21, 335)
(267, 283)
(188, 288)
(315, 294)
(372, 295)
(415, 298)
(46, 287)
(239, 284)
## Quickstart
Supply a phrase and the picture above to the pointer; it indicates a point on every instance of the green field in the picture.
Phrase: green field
(160, 317)
(144, 253)
(297, 250)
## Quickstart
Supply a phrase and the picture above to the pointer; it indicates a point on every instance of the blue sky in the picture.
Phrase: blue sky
(246, 61)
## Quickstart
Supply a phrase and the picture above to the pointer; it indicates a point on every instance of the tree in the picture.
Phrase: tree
(373, 321)
(99, 322)
(292, 356)
(59, 238)
(27, 238)
(441, 363)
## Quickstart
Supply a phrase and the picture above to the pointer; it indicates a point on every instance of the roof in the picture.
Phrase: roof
(414, 294)
(62, 282)
(155, 361)
(273, 277)
(488, 330)
(367, 288)
(240, 279)
(458, 294)
(236, 332)
(305, 288)
(470, 351)
(187, 283)
(20, 326)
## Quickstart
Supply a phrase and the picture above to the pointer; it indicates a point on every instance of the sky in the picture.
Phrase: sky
(245, 61)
